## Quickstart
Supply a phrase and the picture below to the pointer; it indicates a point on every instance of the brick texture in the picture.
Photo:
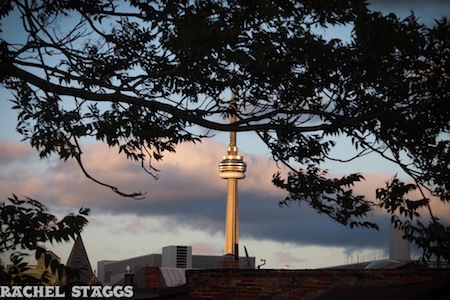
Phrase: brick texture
(295, 284)
(152, 277)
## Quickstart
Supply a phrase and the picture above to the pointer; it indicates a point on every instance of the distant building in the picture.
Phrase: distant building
(177, 257)
(101, 269)
(37, 271)
(399, 255)
(399, 248)
(181, 257)
(112, 271)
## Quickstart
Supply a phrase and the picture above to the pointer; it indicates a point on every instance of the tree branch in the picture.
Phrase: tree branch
(135, 195)
(191, 117)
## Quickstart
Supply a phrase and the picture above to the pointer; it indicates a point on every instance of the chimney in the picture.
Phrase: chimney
(129, 277)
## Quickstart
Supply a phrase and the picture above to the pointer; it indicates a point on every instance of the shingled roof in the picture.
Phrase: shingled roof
(78, 259)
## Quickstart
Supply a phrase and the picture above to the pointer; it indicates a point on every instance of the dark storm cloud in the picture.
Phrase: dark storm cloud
(262, 219)
(303, 225)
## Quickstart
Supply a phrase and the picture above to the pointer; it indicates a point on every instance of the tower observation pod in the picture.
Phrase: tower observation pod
(232, 165)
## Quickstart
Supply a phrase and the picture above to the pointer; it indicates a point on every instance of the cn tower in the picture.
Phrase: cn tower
(232, 168)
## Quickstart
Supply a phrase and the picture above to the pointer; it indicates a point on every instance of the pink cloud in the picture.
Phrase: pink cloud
(190, 173)
(183, 174)
(378, 180)
(206, 248)
(11, 152)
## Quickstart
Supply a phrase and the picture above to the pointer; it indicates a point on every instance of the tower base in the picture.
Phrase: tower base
(228, 262)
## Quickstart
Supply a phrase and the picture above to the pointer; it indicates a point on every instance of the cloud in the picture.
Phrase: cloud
(285, 256)
(189, 196)
(377, 180)
(14, 160)
(204, 248)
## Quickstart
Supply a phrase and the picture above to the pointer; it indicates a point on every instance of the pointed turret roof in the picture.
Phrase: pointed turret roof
(78, 259)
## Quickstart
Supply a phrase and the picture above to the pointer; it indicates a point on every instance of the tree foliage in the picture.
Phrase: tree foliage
(26, 225)
(145, 76)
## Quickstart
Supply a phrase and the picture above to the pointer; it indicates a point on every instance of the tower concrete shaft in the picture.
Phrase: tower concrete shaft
(232, 220)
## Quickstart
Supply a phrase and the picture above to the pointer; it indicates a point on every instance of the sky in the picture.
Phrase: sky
(186, 205)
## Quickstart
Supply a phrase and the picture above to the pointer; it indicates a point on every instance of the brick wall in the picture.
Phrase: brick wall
(295, 284)
(152, 277)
